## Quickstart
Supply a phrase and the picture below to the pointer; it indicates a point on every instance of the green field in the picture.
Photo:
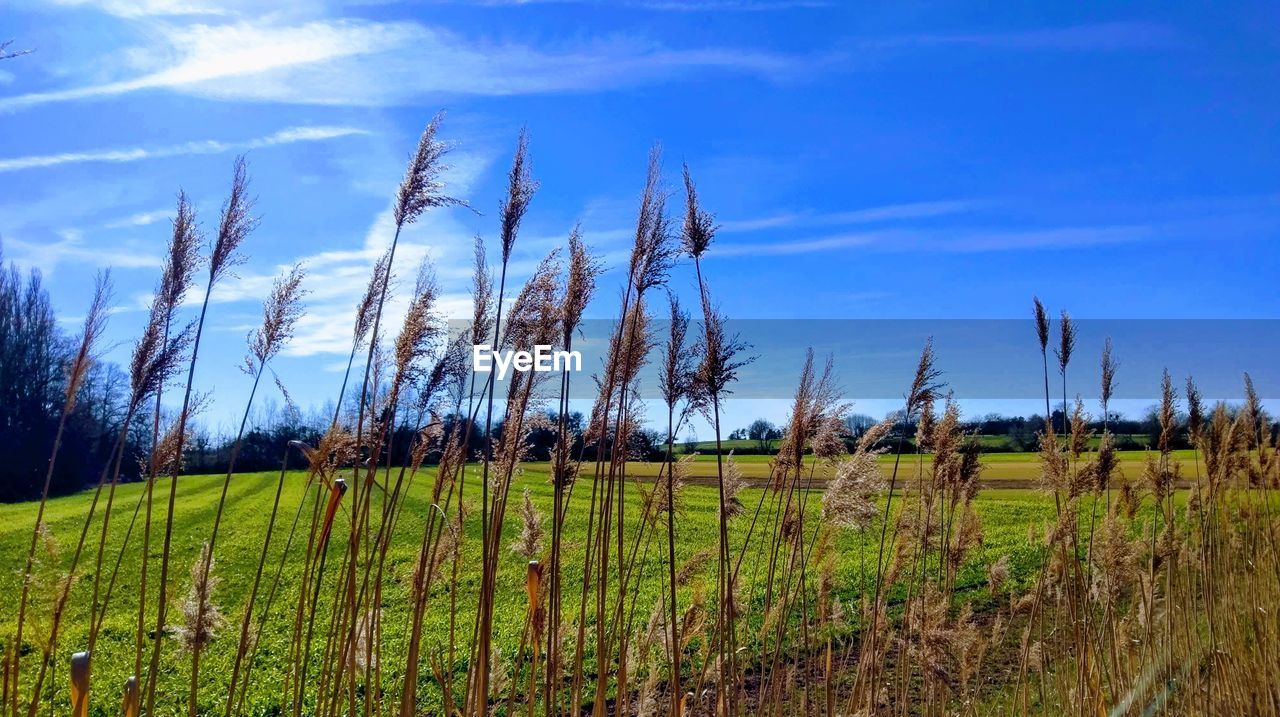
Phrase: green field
(1005, 470)
(1007, 515)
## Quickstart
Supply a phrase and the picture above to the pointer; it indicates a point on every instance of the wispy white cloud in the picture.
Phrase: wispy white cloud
(141, 219)
(145, 8)
(958, 240)
(358, 62)
(72, 247)
(337, 278)
(285, 136)
(668, 5)
(1092, 37)
(870, 215)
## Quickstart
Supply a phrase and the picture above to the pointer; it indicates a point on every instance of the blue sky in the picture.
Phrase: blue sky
(906, 160)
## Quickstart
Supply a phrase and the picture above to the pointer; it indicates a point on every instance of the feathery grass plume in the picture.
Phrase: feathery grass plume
(280, 314)
(95, 323)
(235, 225)
(1042, 324)
(734, 482)
(676, 379)
(628, 352)
(181, 258)
(421, 329)
(925, 384)
(1080, 433)
(201, 616)
(369, 301)
(361, 654)
(1066, 346)
(422, 187)
(46, 581)
(158, 353)
(927, 426)
(580, 283)
(449, 372)
(534, 317)
(1167, 414)
(849, 499)
(1195, 412)
(1104, 467)
(816, 399)
(529, 543)
(156, 361)
(1108, 374)
(666, 495)
(722, 355)
(998, 575)
(82, 360)
(165, 457)
(1252, 415)
(699, 225)
(521, 187)
(828, 442)
(1042, 337)
(1115, 560)
(481, 296)
(653, 253)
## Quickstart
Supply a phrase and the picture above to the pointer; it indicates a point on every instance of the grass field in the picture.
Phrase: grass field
(1005, 470)
(1006, 514)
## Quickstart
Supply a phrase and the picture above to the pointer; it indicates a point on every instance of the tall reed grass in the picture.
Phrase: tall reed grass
(1154, 595)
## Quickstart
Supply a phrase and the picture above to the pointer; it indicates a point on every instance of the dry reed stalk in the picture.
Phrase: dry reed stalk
(580, 284)
(95, 322)
(520, 190)
(677, 384)
(235, 224)
(280, 314)
(651, 258)
(155, 359)
(421, 190)
(718, 369)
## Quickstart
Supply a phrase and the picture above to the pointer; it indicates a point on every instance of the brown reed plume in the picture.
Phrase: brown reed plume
(580, 285)
(1066, 345)
(156, 357)
(280, 314)
(678, 385)
(721, 361)
(421, 189)
(234, 226)
(652, 255)
(95, 323)
(512, 208)
(179, 275)
(1042, 336)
